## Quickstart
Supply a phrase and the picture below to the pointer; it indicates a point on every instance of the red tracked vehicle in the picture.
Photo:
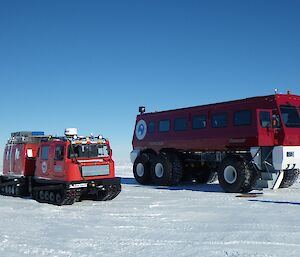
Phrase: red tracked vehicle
(252, 143)
(59, 170)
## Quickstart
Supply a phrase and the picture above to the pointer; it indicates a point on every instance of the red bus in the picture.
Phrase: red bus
(251, 143)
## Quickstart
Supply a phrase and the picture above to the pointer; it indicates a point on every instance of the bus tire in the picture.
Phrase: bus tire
(166, 169)
(177, 168)
(235, 176)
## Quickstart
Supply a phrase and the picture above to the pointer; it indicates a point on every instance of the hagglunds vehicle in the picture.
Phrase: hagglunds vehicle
(58, 170)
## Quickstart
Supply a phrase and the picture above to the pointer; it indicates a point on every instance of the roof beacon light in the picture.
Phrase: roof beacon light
(71, 132)
(142, 109)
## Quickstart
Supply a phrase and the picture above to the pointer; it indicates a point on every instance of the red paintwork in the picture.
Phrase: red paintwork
(70, 169)
(221, 139)
(20, 166)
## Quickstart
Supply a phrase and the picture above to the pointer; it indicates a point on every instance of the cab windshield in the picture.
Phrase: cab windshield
(88, 151)
(290, 116)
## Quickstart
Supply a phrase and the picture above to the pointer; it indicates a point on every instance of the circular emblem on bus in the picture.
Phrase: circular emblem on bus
(141, 130)
(44, 167)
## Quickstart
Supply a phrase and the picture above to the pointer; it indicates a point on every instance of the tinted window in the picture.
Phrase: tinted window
(265, 119)
(59, 152)
(180, 124)
(45, 152)
(290, 116)
(8, 153)
(242, 118)
(219, 120)
(88, 151)
(151, 127)
(164, 125)
(199, 122)
(17, 154)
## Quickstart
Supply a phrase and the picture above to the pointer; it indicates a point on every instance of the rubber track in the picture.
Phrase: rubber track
(19, 191)
(110, 192)
(69, 196)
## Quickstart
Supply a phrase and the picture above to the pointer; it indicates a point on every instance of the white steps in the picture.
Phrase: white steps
(269, 180)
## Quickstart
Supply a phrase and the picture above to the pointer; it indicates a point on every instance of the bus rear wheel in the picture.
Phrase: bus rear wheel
(166, 169)
(235, 176)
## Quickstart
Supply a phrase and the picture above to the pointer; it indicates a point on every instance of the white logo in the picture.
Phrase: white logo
(44, 167)
(141, 130)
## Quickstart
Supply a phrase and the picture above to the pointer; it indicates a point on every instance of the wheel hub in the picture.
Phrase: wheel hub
(159, 170)
(140, 170)
(230, 174)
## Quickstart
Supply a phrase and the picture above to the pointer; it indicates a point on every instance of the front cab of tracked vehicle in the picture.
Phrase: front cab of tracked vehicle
(72, 168)
(78, 162)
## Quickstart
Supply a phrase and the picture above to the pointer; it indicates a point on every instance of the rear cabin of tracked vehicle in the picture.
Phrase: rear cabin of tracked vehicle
(251, 143)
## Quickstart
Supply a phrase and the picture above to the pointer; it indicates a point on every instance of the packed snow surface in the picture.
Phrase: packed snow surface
(187, 220)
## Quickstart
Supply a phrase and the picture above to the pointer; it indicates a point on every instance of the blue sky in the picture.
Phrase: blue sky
(90, 64)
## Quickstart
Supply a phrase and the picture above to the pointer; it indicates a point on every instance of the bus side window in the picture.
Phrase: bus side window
(265, 119)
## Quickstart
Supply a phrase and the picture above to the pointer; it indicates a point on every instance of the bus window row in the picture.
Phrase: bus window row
(218, 120)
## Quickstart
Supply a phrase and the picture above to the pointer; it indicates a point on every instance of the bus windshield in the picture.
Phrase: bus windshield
(290, 116)
(88, 151)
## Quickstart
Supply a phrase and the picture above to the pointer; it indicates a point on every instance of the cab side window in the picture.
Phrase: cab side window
(45, 152)
(59, 153)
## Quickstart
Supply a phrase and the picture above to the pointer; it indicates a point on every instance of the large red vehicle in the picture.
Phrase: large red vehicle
(251, 143)
(59, 170)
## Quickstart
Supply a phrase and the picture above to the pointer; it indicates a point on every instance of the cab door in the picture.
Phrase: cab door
(264, 127)
(45, 161)
(59, 160)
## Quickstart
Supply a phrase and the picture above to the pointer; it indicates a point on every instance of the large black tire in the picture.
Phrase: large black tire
(235, 176)
(289, 178)
(177, 168)
(166, 169)
(141, 168)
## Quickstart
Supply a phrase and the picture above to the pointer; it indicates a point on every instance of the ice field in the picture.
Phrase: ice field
(187, 220)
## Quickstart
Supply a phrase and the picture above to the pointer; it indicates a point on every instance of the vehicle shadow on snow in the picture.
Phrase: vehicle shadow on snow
(182, 186)
(276, 202)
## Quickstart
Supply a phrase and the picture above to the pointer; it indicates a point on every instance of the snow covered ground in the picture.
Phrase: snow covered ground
(188, 220)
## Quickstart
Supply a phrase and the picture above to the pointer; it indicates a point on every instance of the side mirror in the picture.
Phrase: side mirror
(275, 121)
